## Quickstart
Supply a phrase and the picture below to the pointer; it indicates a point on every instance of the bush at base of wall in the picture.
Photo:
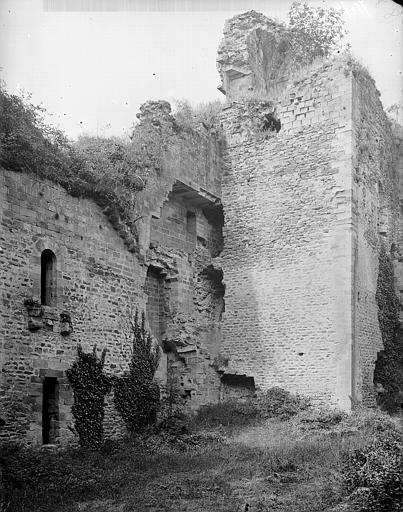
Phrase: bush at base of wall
(137, 396)
(90, 385)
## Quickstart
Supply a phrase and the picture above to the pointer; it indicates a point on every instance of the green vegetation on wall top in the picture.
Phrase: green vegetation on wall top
(109, 171)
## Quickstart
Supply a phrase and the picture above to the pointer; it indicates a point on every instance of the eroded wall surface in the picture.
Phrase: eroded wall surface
(377, 223)
(98, 279)
(287, 238)
(257, 257)
(311, 198)
(180, 237)
(255, 56)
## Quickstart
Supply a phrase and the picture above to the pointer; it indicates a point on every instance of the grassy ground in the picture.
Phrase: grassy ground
(286, 466)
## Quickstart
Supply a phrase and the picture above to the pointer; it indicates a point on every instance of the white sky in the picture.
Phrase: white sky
(92, 69)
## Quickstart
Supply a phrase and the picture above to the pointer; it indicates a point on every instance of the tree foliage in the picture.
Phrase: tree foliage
(137, 395)
(109, 171)
(109, 164)
(172, 415)
(373, 475)
(316, 31)
(90, 385)
(193, 118)
(27, 143)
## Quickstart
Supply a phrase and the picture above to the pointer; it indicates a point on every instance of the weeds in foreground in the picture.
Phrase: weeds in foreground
(210, 470)
(273, 403)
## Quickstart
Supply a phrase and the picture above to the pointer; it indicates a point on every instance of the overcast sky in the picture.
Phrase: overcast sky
(92, 69)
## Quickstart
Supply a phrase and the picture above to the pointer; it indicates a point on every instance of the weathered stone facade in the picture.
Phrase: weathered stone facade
(310, 194)
(96, 278)
(287, 215)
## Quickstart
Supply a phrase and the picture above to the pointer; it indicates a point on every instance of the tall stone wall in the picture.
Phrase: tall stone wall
(311, 199)
(98, 279)
(182, 247)
(287, 238)
(306, 185)
(180, 235)
(377, 223)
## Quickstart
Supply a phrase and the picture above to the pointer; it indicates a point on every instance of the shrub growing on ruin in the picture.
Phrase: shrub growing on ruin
(110, 161)
(315, 31)
(136, 394)
(109, 171)
(372, 475)
(27, 143)
(276, 402)
(205, 115)
(173, 417)
(228, 413)
(90, 385)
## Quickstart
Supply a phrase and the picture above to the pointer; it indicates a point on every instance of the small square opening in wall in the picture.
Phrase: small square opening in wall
(271, 123)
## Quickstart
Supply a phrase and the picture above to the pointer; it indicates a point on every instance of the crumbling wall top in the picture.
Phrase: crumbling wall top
(255, 52)
(153, 110)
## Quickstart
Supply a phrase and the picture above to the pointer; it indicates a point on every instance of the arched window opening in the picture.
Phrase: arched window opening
(50, 410)
(48, 278)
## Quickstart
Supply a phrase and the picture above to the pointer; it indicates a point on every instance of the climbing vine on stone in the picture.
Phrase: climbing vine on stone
(388, 368)
(136, 394)
(90, 385)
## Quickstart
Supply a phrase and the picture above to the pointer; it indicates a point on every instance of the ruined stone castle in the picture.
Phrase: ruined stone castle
(257, 253)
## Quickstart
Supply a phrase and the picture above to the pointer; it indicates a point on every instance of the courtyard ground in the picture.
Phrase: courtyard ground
(295, 465)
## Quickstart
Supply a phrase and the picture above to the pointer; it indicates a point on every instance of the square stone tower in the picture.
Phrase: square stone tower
(311, 204)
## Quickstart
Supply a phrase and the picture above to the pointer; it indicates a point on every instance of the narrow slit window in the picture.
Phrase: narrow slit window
(48, 278)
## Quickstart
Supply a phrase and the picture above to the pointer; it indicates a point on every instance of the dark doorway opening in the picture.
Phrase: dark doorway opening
(50, 410)
(190, 226)
(156, 302)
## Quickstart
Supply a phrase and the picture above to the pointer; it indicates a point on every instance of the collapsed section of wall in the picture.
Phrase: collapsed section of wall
(257, 56)
(185, 238)
(180, 235)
